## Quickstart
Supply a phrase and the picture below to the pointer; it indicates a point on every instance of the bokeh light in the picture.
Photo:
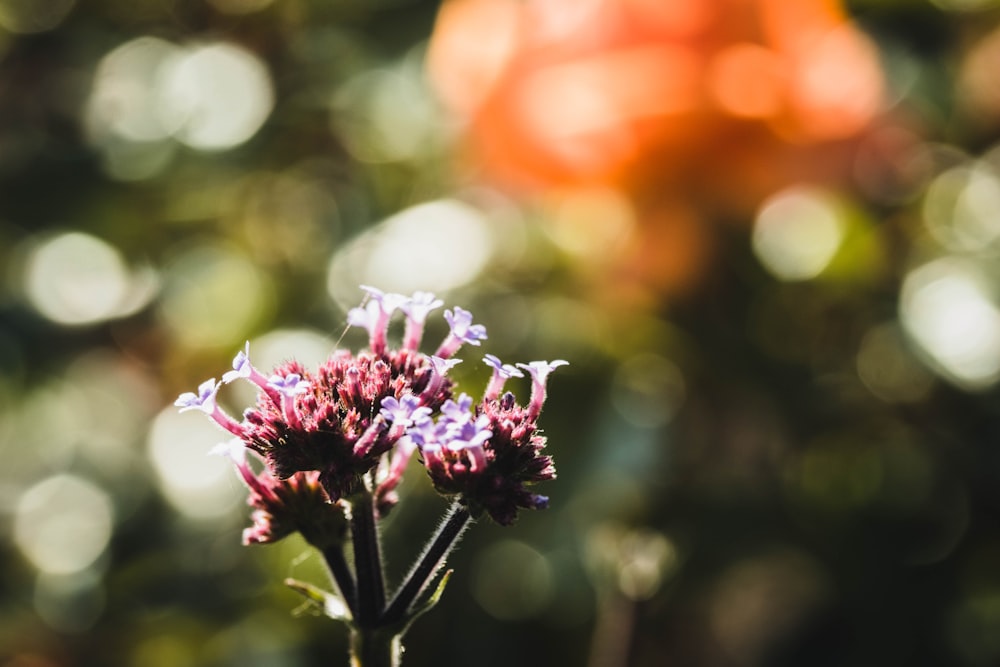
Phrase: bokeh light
(586, 92)
(512, 581)
(32, 16)
(213, 295)
(960, 205)
(385, 115)
(63, 524)
(70, 603)
(436, 246)
(761, 600)
(947, 308)
(148, 93)
(127, 93)
(75, 278)
(197, 484)
(217, 95)
(797, 232)
(889, 369)
(648, 390)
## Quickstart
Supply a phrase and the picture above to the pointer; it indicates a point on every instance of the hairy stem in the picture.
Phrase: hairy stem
(427, 564)
(341, 575)
(367, 560)
(375, 648)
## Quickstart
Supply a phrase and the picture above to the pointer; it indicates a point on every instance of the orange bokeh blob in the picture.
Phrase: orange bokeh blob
(702, 106)
(559, 92)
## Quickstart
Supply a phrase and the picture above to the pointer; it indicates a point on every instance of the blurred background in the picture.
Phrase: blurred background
(764, 233)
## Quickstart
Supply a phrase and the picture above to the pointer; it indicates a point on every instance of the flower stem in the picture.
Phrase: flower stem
(375, 648)
(367, 561)
(427, 564)
(341, 574)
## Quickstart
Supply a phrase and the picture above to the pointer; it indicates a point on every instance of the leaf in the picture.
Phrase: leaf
(327, 603)
(432, 601)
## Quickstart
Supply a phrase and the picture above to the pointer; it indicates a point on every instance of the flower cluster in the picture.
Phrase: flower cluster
(352, 425)
(282, 507)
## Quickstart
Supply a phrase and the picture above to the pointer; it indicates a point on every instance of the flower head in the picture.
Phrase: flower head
(282, 507)
(487, 455)
(353, 423)
(331, 421)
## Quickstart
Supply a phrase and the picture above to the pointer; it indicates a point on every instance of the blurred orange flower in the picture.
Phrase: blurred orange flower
(716, 103)
(581, 91)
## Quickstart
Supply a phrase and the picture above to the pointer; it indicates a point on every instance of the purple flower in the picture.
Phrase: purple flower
(288, 387)
(489, 456)
(469, 437)
(501, 373)
(539, 371)
(405, 411)
(242, 368)
(457, 431)
(417, 308)
(441, 367)
(375, 315)
(462, 331)
(205, 401)
(356, 420)
(406, 415)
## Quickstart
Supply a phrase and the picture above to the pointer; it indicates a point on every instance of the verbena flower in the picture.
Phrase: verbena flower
(205, 401)
(334, 441)
(417, 308)
(369, 412)
(489, 455)
(284, 506)
(335, 426)
(462, 331)
(501, 373)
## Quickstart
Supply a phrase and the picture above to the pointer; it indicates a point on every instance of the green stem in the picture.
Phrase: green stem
(427, 564)
(341, 575)
(375, 648)
(367, 561)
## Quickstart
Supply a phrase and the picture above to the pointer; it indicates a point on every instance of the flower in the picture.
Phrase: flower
(205, 401)
(242, 368)
(335, 425)
(417, 308)
(539, 371)
(487, 456)
(375, 315)
(501, 373)
(462, 331)
(352, 424)
(282, 507)
(403, 412)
